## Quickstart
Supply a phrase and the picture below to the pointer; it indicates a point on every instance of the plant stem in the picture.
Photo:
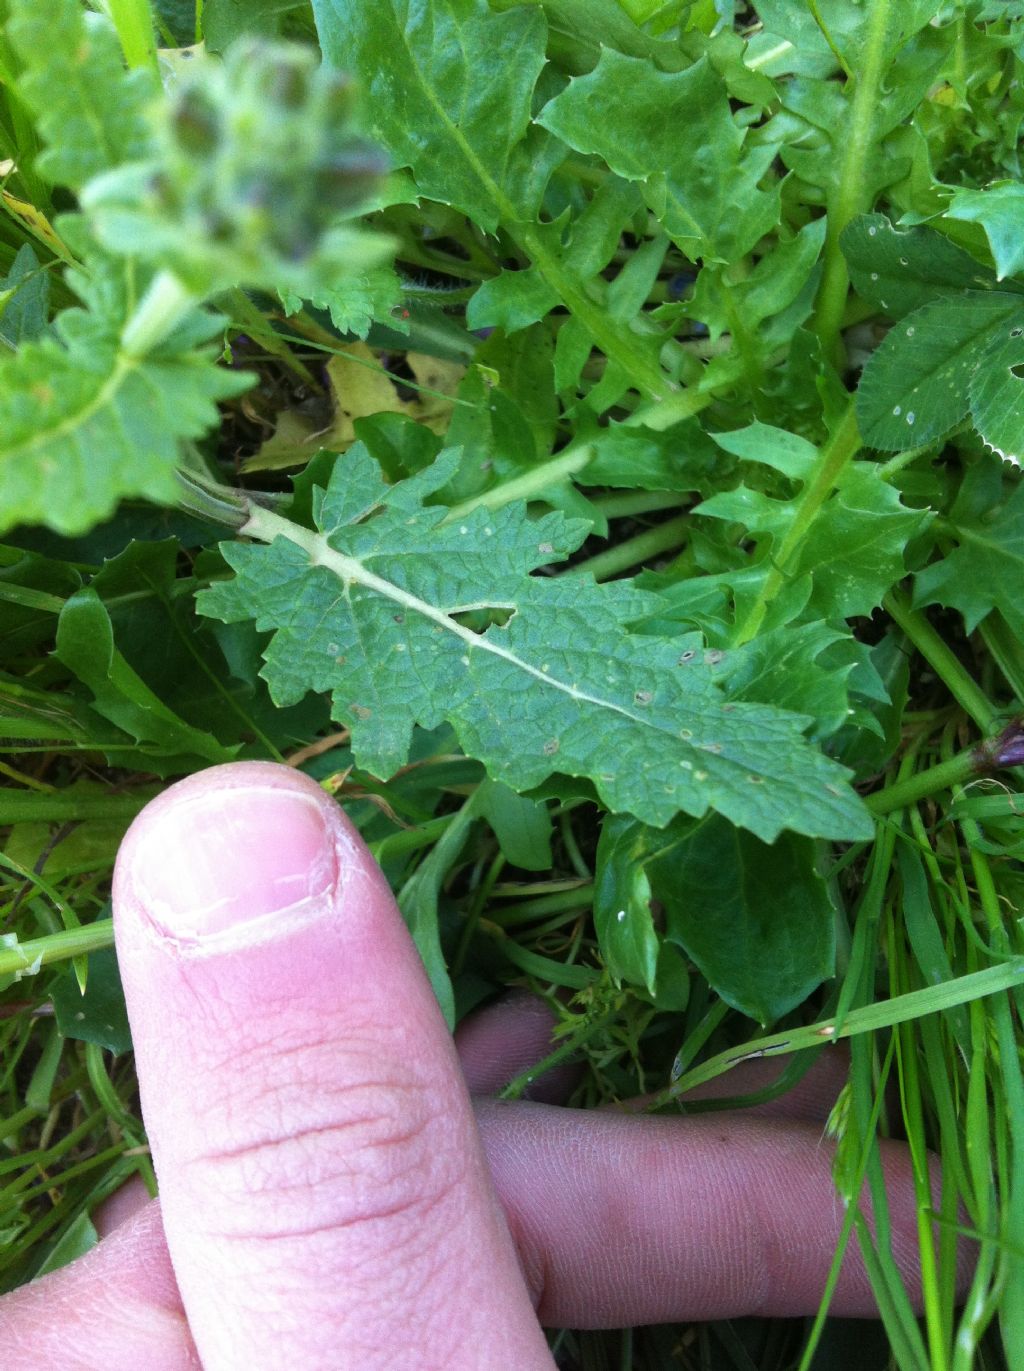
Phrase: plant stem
(56, 947)
(663, 538)
(965, 766)
(619, 505)
(833, 456)
(617, 343)
(684, 404)
(157, 314)
(942, 660)
(851, 196)
(865, 1019)
(530, 486)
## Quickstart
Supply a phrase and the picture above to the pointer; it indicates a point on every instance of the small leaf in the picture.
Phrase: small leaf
(985, 570)
(522, 826)
(705, 186)
(99, 1016)
(622, 900)
(85, 644)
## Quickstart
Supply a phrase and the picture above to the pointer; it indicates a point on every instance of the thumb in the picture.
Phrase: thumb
(324, 1192)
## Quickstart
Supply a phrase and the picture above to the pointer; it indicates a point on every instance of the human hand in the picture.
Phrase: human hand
(328, 1193)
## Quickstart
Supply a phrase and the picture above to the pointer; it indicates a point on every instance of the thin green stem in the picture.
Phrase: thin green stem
(531, 485)
(852, 194)
(833, 457)
(28, 957)
(865, 1019)
(684, 404)
(662, 538)
(965, 766)
(621, 505)
(943, 661)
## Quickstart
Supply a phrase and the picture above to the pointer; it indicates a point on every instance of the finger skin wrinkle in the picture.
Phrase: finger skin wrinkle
(354, 1154)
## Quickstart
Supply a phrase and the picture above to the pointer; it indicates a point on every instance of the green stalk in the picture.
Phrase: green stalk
(28, 957)
(833, 456)
(965, 766)
(620, 505)
(530, 486)
(942, 660)
(850, 198)
(663, 538)
(684, 404)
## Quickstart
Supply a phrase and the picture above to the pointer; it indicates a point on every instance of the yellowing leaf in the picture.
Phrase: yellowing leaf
(360, 386)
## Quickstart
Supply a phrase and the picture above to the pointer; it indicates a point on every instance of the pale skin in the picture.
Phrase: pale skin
(337, 1191)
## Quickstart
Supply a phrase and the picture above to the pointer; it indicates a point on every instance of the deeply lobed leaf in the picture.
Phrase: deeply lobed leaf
(370, 609)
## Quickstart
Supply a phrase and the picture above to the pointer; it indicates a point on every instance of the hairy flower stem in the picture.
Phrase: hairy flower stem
(852, 195)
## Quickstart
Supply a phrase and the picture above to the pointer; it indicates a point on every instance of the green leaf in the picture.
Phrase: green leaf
(999, 209)
(224, 21)
(900, 269)
(357, 302)
(997, 392)
(756, 919)
(83, 424)
(521, 826)
(915, 386)
(446, 87)
(984, 571)
(369, 608)
(85, 644)
(854, 550)
(99, 1016)
(851, 554)
(24, 299)
(622, 900)
(703, 187)
(90, 110)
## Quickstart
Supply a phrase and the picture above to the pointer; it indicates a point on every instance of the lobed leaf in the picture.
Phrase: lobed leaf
(371, 608)
(90, 111)
(704, 187)
(83, 424)
(446, 87)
